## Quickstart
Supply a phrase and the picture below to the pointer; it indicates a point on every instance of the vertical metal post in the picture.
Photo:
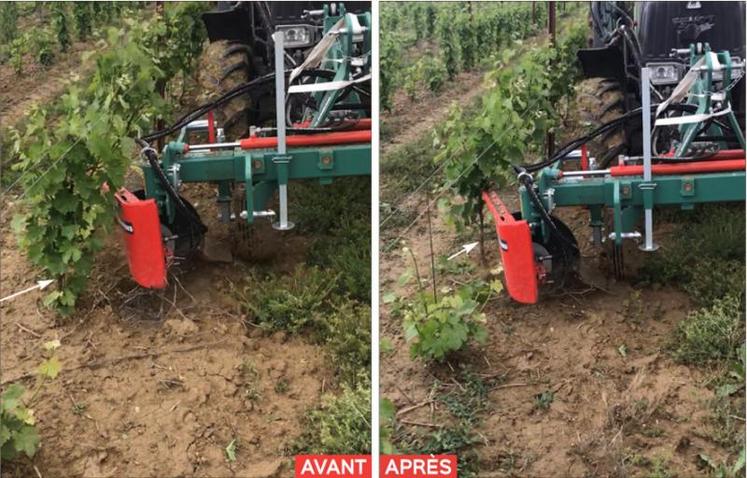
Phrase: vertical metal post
(283, 224)
(551, 30)
(551, 21)
(647, 186)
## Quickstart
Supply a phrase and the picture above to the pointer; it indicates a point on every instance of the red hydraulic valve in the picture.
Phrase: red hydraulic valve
(300, 140)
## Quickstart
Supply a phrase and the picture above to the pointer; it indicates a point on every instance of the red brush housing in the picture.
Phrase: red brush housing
(517, 253)
(142, 230)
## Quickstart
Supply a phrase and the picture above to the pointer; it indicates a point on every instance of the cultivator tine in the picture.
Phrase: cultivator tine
(618, 266)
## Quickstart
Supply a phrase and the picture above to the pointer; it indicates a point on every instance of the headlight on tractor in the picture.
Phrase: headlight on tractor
(665, 73)
(297, 36)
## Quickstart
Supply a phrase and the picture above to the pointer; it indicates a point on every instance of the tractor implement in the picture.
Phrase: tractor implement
(330, 138)
(538, 250)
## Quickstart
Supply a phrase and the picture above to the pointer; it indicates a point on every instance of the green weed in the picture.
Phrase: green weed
(660, 469)
(542, 401)
(724, 470)
(79, 408)
(349, 254)
(467, 401)
(340, 425)
(322, 208)
(454, 439)
(706, 257)
(339, 216)
(231, 451)
(288, 302)
(406, 167)
(348, 341)
(711, 333)
(251, 380)
(282, 386)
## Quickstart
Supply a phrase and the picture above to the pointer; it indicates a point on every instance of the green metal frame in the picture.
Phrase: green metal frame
(700, 96)
(259, 171)
(627, 197)
(262, 171)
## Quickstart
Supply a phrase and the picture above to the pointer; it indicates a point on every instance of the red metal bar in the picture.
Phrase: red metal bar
(352, 125)
(211, 127)
(682, 168)
(729, 154)
(296, 141)
(584, 158)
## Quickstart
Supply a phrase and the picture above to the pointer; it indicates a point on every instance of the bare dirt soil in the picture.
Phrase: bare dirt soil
(609, 409)
(621, 407)
(159, 383)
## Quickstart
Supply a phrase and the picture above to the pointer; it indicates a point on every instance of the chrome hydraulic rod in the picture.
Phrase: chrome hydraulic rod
(591, 172)
(200, 147)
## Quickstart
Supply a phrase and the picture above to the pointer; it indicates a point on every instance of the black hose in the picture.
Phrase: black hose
(194, 220)
(566, 245)
(616, 123)
(225, 98)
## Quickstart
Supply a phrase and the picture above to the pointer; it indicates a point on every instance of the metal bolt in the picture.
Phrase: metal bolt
(688, 187)
(257, 164)
(326, 160)
(626, 190)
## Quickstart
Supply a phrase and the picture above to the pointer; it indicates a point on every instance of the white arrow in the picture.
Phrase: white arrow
(41, 285)
(464, 250)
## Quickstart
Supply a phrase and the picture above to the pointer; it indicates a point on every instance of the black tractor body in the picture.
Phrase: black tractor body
(627, 36)
(252, 23)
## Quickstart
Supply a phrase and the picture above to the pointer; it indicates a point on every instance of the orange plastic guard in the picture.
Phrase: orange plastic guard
(516, 251)
(724, 165)
(142, 231)
(300, 140)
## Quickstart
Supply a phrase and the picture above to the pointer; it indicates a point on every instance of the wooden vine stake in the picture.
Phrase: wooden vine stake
(551, 31)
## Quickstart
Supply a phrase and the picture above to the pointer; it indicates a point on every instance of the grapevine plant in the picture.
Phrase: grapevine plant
(71, 166)
(520, 107)
(59, 22)
(465, 35)
(18, 433)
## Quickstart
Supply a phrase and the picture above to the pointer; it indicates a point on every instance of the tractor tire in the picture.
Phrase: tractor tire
(223, 66)
(599, 101)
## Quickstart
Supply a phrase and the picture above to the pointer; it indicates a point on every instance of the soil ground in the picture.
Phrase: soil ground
(159, 383)
(622, 407)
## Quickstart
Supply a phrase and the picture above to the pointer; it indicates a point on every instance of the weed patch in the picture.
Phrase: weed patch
(706, 259)
(348, 341)
(711, 333)
(350, 255)
(288, 302)
(341, 425)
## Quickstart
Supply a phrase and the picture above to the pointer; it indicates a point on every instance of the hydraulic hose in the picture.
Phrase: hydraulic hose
(150, 155)
(566, 244)
(576, 143)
